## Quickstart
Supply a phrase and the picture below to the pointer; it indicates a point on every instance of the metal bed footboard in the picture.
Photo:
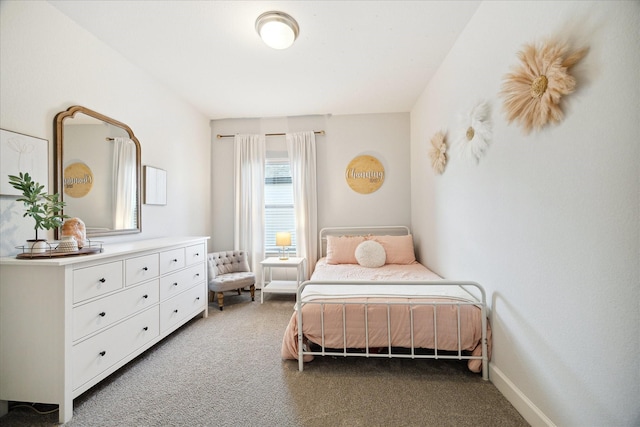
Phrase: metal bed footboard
(477, 298)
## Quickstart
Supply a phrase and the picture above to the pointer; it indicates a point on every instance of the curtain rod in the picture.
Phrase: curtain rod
(317, 132)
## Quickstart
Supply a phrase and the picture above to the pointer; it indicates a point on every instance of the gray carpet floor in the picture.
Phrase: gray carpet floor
(226, 370)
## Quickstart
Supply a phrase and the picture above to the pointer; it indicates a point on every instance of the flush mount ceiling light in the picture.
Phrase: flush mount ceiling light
(277, 29)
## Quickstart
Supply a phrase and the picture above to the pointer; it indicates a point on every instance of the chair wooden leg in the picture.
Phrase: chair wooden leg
(253, 292)
(239, 291)
(220, 300)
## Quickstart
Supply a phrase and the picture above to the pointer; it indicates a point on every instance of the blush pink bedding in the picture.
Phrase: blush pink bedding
(413, 271)
(409, 295)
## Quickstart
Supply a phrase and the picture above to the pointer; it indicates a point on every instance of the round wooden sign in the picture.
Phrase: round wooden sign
(365, 174)
(78, 180)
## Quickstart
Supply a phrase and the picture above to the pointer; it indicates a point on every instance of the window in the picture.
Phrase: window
(278, 199)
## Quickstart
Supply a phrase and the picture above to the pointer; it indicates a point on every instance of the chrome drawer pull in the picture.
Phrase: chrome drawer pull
(102, 314)
(102, 353)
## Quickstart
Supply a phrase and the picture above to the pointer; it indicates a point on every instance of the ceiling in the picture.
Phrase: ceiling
(351, 57)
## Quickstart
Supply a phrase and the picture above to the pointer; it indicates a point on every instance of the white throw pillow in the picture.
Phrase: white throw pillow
(370, 254)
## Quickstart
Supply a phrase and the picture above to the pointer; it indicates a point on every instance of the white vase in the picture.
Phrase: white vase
(36, 246)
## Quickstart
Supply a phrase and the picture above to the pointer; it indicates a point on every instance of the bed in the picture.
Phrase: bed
(379, 301)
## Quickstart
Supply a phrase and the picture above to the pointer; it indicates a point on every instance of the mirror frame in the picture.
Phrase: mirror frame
(59, 131)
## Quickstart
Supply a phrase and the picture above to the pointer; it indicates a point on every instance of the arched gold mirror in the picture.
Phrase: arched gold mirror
(98, 172)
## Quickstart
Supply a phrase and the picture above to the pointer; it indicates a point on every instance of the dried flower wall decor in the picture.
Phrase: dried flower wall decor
(474, 134)
(438, 152)
(533, 91)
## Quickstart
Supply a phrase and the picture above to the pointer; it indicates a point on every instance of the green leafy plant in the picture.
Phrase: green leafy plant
(45, 209)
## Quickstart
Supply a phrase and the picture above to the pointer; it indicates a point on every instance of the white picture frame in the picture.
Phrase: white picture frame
(22, 153)
(155, 186)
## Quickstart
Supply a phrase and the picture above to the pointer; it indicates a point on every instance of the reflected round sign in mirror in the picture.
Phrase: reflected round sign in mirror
(78, 180)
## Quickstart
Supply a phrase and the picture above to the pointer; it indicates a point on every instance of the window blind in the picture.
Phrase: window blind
(279, 213)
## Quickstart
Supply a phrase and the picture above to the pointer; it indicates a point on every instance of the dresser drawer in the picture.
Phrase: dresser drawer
(97, 280)
(195, 254)
(179, 281)
(99, 353)
(181, 307)
(106, 311)
(141, 268)
(171, 260)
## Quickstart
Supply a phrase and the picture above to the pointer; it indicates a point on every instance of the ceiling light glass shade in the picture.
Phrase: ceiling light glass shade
(277, 29)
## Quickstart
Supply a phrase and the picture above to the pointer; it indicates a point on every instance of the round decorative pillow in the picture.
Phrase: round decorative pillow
(370, 254)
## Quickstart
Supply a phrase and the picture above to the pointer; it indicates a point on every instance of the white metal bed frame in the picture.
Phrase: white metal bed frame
(477, 298)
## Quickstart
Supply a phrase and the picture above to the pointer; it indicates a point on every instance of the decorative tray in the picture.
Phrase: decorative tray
(53, 252)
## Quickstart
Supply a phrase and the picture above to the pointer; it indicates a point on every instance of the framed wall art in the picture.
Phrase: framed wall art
(155, 186)
(22, 153)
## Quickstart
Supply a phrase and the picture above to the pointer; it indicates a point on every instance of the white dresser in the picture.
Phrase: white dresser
(67, 323)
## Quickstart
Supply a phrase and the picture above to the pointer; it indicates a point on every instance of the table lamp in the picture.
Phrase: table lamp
(283, 238)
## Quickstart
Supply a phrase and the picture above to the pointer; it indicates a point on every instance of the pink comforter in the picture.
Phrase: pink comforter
(400, 315)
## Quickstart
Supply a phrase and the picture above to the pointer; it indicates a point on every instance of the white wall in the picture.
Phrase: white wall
(48, 63)
(384, 136)
(549, 223)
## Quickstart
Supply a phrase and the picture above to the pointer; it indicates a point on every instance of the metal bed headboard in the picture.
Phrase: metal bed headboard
(382, 230)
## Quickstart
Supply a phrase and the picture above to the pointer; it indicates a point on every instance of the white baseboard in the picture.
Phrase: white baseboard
(530, 412)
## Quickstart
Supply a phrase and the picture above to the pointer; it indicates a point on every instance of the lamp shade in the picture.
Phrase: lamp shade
(283, 238)
(277, 29)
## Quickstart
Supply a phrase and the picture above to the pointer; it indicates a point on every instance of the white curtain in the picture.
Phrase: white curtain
(249, 157)
(302, 156)
(124, 183)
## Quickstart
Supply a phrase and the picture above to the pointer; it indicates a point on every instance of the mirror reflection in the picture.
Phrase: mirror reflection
(98, 171)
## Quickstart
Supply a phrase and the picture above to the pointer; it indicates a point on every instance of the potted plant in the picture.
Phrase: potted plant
(45, 209)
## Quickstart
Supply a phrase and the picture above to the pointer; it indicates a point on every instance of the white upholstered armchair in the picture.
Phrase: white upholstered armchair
(229, 271)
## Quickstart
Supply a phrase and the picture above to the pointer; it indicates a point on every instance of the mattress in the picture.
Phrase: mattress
(392, 280)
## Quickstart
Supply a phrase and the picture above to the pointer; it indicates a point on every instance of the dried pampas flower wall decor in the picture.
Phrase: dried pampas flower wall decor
(533, 91)
(474, 134)
(438, 152)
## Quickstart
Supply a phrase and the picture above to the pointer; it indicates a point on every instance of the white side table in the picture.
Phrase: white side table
(281, 286)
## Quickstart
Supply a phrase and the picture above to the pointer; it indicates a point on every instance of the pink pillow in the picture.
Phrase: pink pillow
(399, 249)
(342, 249)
